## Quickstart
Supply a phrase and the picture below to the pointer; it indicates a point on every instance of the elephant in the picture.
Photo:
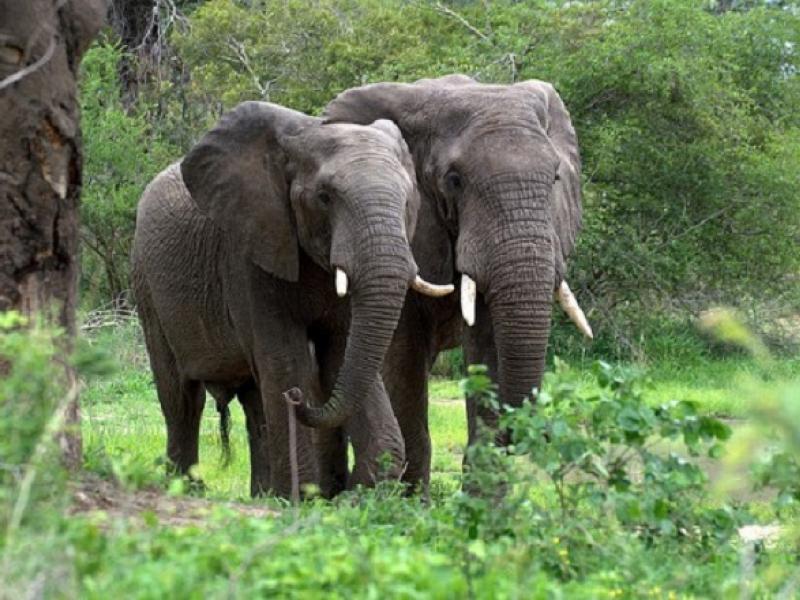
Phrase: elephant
(498, 169)
(236, 251)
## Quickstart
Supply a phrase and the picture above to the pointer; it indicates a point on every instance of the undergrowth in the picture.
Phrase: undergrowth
(603, 492)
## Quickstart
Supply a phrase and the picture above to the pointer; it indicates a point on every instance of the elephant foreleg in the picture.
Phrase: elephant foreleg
(377, 441)
(278, 372)
(330, 444)
(405, 375)
(250, 398)
(373, 430)
(479, 349)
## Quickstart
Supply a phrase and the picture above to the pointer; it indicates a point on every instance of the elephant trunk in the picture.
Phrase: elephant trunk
(520, 310)
(518, 275)
(379, 290)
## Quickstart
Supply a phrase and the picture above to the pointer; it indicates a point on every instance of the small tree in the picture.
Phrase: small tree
(123, 154)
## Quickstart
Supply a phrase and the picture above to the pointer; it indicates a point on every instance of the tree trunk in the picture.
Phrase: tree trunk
(136, 22)
(41, 44)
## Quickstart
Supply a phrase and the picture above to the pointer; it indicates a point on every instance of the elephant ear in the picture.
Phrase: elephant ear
(566, 208)
(236, 175)
(397, 102)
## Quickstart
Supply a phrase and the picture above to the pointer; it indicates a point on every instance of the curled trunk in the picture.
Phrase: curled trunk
(379, 291)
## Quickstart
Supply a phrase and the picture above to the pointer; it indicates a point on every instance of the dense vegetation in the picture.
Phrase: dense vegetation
(685, 110)
(626, 498)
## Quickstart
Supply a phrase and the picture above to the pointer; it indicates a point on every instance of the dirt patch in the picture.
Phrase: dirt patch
(100, 496)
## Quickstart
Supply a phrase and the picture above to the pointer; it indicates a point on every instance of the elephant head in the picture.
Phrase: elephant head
(500, 165)
(282, 183)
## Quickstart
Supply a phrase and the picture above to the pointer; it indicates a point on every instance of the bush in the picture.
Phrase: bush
(449, 364)
(122, 154)
(606, 467)
(685, 118)
(32, 384)
(31, 477)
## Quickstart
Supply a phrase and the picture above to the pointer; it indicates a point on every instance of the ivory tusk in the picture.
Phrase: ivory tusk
(431, 289)
(568, 302)
(341, 283)
(468, 294)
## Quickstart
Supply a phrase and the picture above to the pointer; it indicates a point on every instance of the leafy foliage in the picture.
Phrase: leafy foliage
(29, 391)
(614, 450)
(123, 154)
(546, 519)
(484, 543)
(685, 112)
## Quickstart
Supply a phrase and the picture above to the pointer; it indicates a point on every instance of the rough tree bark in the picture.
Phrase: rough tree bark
(142, 26)
(41, 44)
(137, 25)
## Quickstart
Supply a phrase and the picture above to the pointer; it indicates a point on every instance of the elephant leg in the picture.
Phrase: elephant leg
(377, 441)
(479, 349)
(181, 399)
(182, 410)
(330, 443)
(373, 430)
(288, 367)
(250, 399)
(405, 375)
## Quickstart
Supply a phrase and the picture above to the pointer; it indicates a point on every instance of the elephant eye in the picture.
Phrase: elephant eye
(324, 198)
(557, 177)
(453, 182)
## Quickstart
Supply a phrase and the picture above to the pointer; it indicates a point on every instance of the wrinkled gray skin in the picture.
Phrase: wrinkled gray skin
(233, 262)
(499, 175)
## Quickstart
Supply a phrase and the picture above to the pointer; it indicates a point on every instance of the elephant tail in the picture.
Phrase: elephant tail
(223, 408)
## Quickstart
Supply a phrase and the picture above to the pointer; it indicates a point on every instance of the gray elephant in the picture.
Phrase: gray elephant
(499, 174)
(233, 268)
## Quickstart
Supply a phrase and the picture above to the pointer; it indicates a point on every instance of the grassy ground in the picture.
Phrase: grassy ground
(124, 434)
(123, 428)
(136, 534)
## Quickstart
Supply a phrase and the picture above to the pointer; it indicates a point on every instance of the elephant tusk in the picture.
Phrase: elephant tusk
(568, 302)
(341, 283)
(469, 292)
(431, 289)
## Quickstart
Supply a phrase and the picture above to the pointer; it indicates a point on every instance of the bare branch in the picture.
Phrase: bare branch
(449, 12)
(699, 224)
(48, 54)
(53, 426)
(240, 53)
(14, 78)
(293, 397)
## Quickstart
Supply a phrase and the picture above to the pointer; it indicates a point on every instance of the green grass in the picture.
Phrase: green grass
(376, 543)
(124, 430)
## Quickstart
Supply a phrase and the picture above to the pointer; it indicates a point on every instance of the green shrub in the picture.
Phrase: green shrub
(32, 390)
(123, 153)
(450, 364)
(685, 114)
(606, 466)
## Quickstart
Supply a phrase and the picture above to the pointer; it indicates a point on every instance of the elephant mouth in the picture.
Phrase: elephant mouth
(563, 295)
(426, 288)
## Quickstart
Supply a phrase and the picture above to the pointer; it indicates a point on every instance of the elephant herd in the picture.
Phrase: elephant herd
(323, 253)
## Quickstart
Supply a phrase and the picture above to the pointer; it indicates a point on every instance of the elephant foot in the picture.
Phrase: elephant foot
(385, 466)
